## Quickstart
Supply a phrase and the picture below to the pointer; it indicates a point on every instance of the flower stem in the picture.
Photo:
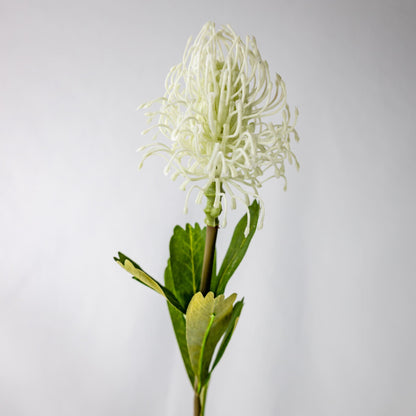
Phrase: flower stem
(209, 253)
(211, 220)
(200, 400)
(197, 404)
(212, 212)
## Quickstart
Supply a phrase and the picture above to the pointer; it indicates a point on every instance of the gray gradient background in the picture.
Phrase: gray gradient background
(329, 323)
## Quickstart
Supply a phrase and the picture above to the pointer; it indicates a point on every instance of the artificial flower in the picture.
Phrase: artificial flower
(223, 120)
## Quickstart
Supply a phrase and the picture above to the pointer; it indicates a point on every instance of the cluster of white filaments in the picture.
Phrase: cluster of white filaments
(215, 114)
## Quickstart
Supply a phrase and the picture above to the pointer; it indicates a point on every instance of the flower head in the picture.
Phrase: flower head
(215, 116)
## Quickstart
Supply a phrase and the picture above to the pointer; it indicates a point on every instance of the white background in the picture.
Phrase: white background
(328, 327)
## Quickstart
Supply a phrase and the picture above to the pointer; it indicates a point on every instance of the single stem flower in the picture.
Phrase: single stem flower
(215, 115)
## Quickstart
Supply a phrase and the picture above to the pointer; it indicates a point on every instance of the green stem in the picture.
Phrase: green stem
(197, 404)
(210, 239)
(211, 220)
(204, 398)
(200, 400)
(212, 212)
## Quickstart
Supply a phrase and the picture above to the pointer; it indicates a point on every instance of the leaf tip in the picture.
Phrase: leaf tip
(177, 228)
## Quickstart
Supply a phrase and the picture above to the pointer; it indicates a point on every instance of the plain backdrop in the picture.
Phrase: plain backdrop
(328, 327)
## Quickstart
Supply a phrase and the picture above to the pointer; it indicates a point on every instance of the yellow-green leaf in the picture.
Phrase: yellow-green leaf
(140, 275)
(229, 332)
(207, 319)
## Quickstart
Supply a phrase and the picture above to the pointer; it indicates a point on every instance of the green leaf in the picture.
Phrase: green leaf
(237, 249)
(186, 257)
(179, 326)
(207, 318)
(140, 275)
(229, 332)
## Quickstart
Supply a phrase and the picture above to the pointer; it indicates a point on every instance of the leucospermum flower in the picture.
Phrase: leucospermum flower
(217, 115)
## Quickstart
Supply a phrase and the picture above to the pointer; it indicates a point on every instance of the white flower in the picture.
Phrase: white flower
(215, 114)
